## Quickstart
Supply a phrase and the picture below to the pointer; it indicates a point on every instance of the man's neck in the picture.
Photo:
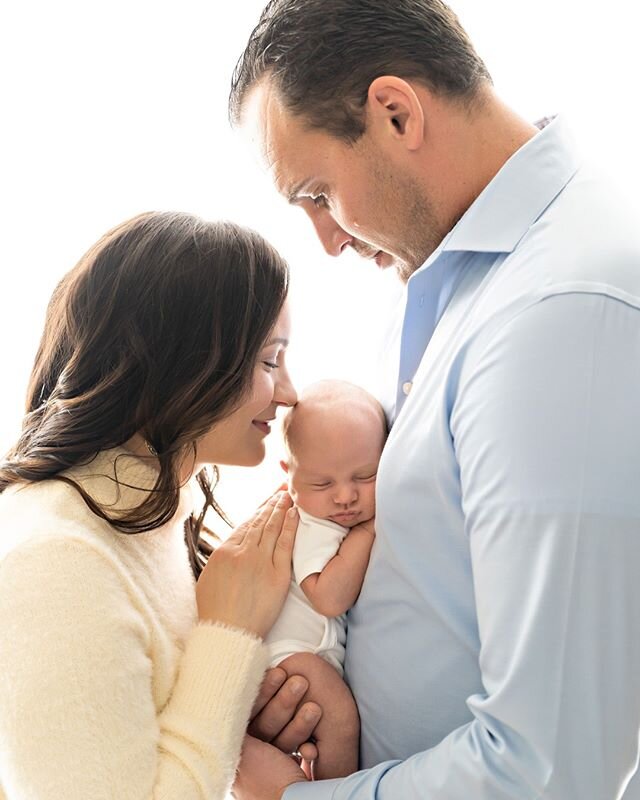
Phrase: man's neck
(468, 147)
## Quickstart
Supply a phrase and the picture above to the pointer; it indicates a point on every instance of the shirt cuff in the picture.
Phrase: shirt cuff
(316, 790)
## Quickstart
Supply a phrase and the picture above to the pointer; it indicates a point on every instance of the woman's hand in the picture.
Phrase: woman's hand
(246, 579)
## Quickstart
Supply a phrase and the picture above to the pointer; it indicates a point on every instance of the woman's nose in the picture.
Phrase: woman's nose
(285, 393)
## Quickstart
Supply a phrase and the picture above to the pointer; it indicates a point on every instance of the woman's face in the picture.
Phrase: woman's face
(239, 439)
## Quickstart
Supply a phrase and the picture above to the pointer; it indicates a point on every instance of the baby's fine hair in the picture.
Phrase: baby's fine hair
(329, 395)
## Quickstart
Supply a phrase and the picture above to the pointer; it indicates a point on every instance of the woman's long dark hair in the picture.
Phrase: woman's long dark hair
(156, 331)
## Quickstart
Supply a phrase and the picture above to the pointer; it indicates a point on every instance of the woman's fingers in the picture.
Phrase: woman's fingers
(276, 521)
(282, 488)
(267, 526)
(251, 530)
(281, 545)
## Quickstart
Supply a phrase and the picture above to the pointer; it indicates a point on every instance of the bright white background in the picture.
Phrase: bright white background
(109, 109)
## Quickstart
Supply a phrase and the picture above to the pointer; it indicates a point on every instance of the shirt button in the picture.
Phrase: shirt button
(406, 387)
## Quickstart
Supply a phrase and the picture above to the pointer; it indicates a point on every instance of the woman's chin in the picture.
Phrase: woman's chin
(233, 460)
(249, 458)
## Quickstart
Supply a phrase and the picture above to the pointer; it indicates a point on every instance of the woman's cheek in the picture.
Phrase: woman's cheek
(263, 389)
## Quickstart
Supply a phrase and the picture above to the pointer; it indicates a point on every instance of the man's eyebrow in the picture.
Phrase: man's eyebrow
(293, 195)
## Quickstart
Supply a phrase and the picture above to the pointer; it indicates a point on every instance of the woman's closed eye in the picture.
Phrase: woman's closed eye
(271, 358)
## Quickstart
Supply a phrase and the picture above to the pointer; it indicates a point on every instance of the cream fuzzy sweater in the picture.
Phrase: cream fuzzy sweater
(110, 689)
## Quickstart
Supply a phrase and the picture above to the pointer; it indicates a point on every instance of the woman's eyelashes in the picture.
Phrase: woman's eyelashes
(271, 360)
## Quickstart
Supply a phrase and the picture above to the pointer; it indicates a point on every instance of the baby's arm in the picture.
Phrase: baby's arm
(335, 589)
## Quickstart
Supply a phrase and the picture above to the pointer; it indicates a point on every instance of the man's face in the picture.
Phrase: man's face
(358, 196)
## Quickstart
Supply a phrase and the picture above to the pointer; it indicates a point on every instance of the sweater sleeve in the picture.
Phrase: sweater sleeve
(77, 715)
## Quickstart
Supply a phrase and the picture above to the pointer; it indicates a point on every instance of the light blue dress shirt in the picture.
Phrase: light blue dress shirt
(494, 651)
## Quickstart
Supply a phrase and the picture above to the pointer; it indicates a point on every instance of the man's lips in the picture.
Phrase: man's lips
(382, 259)
(379, 256)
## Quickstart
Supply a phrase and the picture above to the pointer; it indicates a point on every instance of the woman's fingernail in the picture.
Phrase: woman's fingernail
(298, 687)
(309, 715)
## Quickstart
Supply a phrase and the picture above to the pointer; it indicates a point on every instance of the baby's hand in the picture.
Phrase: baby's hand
(369, 526)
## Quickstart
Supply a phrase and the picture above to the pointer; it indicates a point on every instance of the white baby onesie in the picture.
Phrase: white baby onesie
(300, 628)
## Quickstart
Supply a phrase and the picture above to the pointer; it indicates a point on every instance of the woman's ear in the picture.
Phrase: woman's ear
(395, 109)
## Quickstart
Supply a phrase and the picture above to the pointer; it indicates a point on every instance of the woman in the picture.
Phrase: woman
(163, 351)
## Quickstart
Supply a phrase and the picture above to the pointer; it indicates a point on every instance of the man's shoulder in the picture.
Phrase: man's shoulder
(587, 240)
(588, 235)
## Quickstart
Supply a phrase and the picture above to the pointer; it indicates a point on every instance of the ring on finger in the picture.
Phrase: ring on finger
(298, 757)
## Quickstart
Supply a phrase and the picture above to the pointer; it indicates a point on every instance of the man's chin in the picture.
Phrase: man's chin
(385, 260)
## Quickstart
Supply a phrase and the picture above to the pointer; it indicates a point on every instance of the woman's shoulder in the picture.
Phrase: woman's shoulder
(53, 546)
(55, 509)
(37, 511)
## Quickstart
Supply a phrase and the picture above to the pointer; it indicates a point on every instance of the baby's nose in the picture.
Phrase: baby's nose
(345, 495)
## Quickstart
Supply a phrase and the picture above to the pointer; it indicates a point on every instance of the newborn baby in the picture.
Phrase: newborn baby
(334, 438)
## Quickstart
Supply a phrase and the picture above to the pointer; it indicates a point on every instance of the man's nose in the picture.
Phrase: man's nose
(334, 239)
(345, 494)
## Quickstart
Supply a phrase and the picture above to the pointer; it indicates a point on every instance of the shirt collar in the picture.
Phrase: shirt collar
(514, 199)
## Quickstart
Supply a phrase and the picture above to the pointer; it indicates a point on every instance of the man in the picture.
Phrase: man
(494, 651)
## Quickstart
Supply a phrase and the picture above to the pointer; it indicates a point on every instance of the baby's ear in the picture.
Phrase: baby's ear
(284, 466)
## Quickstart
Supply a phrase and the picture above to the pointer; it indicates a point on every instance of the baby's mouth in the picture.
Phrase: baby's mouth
(345, 515)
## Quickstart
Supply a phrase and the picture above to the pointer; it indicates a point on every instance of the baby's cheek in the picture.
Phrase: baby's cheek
(371, 500)
(306, 500)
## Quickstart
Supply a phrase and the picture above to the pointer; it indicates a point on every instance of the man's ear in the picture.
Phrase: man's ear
(394, 108)
(284, 466)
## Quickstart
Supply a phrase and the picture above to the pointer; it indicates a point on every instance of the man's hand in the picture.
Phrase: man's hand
(277, 719)
(264, 772)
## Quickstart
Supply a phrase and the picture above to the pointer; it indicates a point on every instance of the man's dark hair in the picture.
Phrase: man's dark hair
(322, 55)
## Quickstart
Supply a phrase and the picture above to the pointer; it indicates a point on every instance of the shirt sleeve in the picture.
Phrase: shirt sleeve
(317, 542)
(77, 712)
(546, 428)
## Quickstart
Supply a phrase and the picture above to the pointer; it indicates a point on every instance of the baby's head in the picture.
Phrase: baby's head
(334, 437)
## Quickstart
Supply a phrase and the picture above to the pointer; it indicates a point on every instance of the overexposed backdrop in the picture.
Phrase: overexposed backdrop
(110, 109)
